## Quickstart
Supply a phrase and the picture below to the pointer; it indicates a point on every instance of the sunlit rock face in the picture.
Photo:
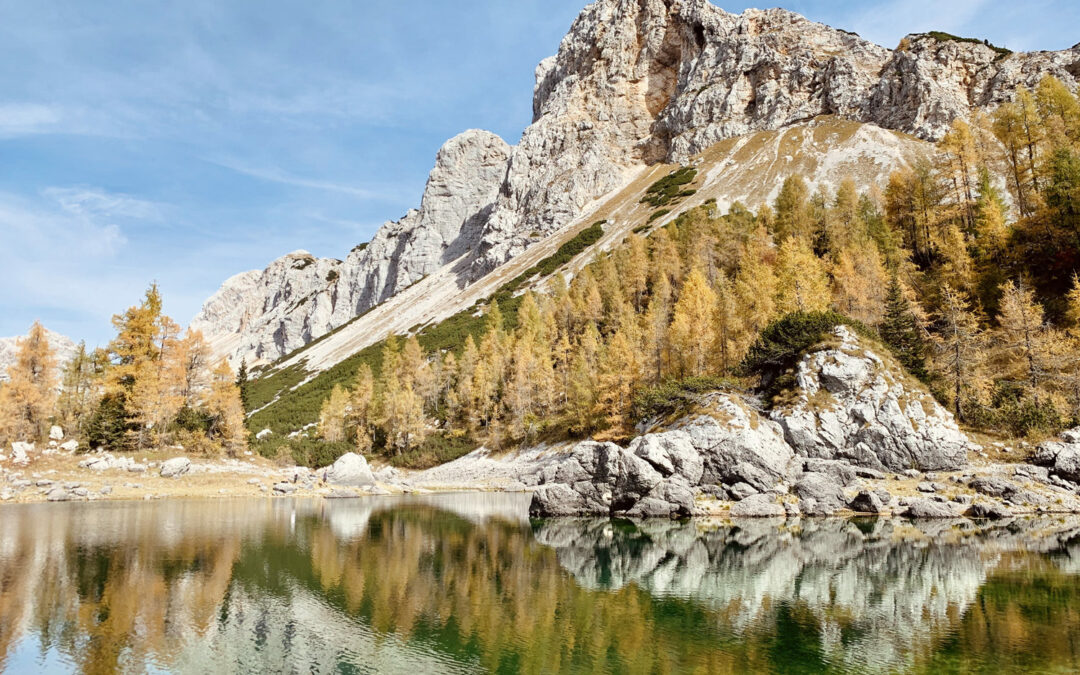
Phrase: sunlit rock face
(851, 404)
(262, 315)
(634, 82)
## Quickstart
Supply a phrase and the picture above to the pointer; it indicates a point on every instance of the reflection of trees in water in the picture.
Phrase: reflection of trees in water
(406, 586)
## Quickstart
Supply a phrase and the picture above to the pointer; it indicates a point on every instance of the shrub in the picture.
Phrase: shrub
(437, 448)
(670, 187)
(657, 214)
(675, 396)
(109, 425)
(783, 341)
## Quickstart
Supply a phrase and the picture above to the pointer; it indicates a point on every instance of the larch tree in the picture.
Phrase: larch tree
(693, 325)
(332, 415)
(792, 208)
(1023, 337)
(960, 345)
(226, 410)
(29, 394)
(79, 389)
(859, 283)
(361, 407)
(802, 282)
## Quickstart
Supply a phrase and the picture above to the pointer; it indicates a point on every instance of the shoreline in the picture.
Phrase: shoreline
(477, 472)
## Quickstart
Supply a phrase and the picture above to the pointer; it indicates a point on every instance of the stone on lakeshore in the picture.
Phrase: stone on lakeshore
(867, 502)
(349, 470)
(928, 508)
(757, 506)
(175, 467)
(819, 494)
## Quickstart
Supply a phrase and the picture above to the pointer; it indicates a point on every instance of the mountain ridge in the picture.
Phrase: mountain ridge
(633, 84)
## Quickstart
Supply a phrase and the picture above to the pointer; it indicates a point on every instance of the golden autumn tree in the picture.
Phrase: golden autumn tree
(361, 407)
(692, 325)
(332, 415)
(802, 282)
(27, 398)
(960, 343)
(226, 410)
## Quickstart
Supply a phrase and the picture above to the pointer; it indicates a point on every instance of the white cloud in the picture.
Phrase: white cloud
(276, 175)
(93, 203)
(17, 119)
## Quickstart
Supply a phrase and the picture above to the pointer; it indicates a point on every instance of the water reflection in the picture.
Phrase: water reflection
(465, 583)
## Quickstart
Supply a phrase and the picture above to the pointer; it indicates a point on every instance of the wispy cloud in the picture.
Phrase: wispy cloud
(95, 203)
(18, 119)
(274, 174)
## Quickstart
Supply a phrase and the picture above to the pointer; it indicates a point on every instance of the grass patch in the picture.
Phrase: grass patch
(567, 252)
(438, 448)
(660, 213)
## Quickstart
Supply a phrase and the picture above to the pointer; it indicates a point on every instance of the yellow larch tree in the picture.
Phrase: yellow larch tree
(692, 329)
(27, 399)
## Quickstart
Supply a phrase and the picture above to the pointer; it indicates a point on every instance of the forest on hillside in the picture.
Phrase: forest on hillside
(965, 266)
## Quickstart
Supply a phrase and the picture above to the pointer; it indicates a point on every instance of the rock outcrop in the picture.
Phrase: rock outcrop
(634, 82)
(262, 315)
(854, 414)
(1062, 457)
(349, 470)
(850, 404)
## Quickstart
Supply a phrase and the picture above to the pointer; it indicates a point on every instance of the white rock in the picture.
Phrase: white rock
(20, 452)
(69, 446)
(56, 433)
(351, 470)
(851, 406)
(265, 433)
(175, 467)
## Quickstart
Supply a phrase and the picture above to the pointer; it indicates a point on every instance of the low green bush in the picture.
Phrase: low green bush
(670, 187)
(675, 396)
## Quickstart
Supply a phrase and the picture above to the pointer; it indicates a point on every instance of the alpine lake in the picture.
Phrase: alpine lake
(466, 583)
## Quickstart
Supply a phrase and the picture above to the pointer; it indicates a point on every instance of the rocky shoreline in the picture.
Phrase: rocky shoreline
(854, 436)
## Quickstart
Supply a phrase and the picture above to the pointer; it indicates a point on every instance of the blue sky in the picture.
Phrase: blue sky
(184, 142)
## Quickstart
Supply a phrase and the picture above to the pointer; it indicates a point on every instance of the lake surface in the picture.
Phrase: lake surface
(466, 583)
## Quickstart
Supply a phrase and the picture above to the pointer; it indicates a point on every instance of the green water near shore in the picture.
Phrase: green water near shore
(467, 583)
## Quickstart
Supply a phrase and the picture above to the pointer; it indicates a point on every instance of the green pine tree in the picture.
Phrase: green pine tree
(900, 331)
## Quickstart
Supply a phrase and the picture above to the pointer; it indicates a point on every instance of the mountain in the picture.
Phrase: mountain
(637, 87)
(62, 345)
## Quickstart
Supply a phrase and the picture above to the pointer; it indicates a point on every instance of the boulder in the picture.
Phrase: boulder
(604, 479)
(341, 494)
(669, 453)
(738, 443)
(990, 510)
(758, 506)
(867, 502)
(928, 508)
(1061, 457)
(349, 470)
(840, 470)
(56, 433)
(58, 494)
(69, 446)
(850, 403)
(20, 452)
(284, 488)
(175, 467)
(819, 494)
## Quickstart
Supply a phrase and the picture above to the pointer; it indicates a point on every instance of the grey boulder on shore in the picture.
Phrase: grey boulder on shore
(350, 470)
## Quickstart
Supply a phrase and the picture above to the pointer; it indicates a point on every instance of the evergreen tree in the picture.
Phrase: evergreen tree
(900, 330)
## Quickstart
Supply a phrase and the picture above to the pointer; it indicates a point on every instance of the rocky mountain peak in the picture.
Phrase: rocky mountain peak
(64, 349)
(634, 83)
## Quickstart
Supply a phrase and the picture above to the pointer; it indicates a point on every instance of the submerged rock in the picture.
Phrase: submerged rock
(928, 508)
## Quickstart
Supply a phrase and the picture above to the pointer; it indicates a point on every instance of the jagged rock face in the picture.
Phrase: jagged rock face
(63, 349)
(634, 82)
(639, 82)
(851, 405)
(297, 298)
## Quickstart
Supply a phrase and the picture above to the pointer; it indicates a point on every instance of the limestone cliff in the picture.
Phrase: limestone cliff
(634, 83)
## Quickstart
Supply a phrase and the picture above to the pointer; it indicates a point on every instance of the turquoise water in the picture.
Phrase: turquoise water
(467, 583)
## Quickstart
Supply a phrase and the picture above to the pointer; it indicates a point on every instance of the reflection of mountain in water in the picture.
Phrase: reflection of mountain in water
(877, 586)
(454, 583)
